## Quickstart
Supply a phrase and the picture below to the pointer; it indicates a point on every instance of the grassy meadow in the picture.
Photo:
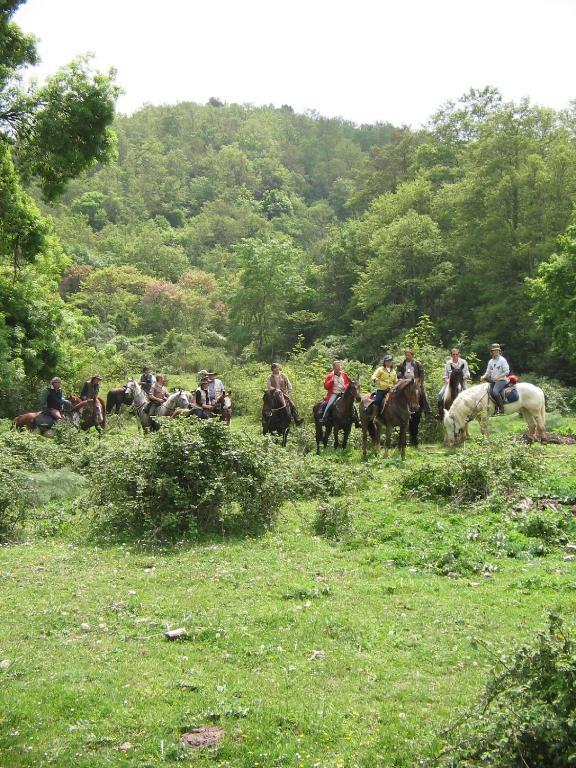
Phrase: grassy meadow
(348, 634)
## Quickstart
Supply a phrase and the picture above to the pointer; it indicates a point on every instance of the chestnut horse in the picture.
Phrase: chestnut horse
(340, 417)
(402, 400)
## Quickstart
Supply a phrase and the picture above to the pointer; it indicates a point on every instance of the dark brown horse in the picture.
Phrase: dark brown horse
(116, 398)
(276, 414)
(91, 413)
(400, 403)
(453, 388)
(340, 417)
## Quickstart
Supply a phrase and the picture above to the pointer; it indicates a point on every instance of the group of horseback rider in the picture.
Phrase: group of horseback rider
(387, 376)
(209, 397)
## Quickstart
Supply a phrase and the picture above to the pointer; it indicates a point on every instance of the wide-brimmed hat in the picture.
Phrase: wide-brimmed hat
(96, 377)
(212, 373)
(388, 357)
(204, 380)
(494, 346)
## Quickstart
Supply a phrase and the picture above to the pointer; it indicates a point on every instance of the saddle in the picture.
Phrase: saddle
(509, 394)
(44, 419)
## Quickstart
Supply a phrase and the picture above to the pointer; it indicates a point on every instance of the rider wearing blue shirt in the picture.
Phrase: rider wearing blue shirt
(497, 376)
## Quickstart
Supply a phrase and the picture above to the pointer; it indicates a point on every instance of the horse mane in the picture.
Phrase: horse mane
(467, 403)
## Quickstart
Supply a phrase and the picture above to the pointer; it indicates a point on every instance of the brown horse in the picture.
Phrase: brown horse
(401, 402)
(340, 417)
(276, 414)
(116, 398)
(91, 414)
(28, 420)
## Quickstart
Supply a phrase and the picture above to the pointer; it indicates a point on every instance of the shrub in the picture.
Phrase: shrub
(190, 475)
(490, 466)
(333, 519)
(525, 715)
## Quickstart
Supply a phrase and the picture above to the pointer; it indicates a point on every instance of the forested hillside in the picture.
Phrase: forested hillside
(248, 227)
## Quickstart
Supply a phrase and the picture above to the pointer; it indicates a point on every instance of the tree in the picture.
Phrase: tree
(271, 284)
(554, 294)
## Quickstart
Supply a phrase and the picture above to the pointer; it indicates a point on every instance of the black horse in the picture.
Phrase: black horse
(276, 414)
(454, 387)
(340, 417)
(116, 398)
(402, 401)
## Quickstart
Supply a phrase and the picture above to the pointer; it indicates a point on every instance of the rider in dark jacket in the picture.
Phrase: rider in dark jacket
(414, 368)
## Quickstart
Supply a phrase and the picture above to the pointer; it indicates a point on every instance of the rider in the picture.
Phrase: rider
(158, 394)
(279, 381)
(409, 367)
(496, 375)
(336, 384)
(215, 387)
(384, 378)
(53, 399)
(147, 379)
(454, 363)
(203, 402)
(89, 392)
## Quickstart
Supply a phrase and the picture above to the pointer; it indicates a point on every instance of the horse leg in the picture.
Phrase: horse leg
(285, 436)
(327, 433)
(336, 436)
(364, 435)
(402, 441)
(319, 433)
(388, 440)
(346, 436)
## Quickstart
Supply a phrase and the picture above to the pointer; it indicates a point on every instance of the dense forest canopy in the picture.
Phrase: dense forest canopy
(315, 227)
(251, 230)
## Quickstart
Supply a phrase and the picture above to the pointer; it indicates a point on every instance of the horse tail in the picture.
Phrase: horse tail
(542, 417)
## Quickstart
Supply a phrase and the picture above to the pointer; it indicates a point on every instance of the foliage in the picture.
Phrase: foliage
(554, 289)
(492, 467)
(525, 715)
(332, 519)
(190, 476)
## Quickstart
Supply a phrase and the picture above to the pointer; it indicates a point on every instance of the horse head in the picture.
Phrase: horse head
(410, 388)
(451, 430)
(456, 381)
(354, 389)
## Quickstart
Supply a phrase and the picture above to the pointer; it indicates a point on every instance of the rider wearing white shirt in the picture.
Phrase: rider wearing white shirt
(453, 363)
(496, 374)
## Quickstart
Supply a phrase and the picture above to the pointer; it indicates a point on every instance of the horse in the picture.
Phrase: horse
(340, 417)
(476, 401)
(176, 400)
(91, 414)
(225, 408)
(116, 398)
(32, 421)
(453, 388)
(402, 400)
(276, 414)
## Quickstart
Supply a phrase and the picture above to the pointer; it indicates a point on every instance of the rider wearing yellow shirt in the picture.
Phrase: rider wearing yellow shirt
(384, 378)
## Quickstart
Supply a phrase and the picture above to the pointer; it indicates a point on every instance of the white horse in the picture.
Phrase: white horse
(176, 400)
(476, 402)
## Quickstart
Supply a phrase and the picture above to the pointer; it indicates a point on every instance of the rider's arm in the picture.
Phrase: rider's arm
(328, 381)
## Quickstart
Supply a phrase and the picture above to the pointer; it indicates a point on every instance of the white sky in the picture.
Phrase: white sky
(369, 60)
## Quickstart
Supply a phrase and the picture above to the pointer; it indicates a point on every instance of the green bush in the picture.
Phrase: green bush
(487, 467)
(333, 519)
(526, 714)
(189, 476)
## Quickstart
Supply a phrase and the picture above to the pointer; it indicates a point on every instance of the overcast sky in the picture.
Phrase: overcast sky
(367, 61)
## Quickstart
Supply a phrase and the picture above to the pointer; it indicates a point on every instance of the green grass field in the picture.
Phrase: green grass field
(305, 651)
